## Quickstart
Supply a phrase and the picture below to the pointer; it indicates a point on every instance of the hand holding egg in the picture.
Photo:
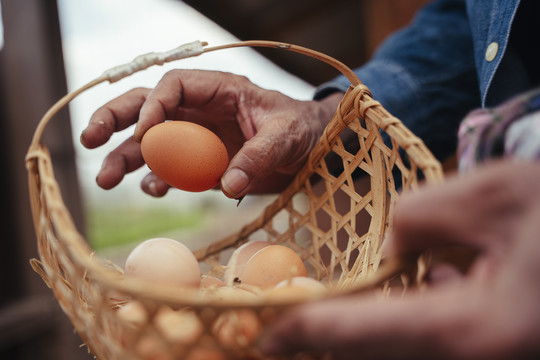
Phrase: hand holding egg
(268, 135)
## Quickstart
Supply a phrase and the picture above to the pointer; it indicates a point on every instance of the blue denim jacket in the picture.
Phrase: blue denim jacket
(451, 59)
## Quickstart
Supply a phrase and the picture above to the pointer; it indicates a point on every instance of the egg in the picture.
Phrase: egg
(240, 256)
(238, 328)
(164, 261)
(208, 281)
(271, 265)
(152, 346)
(185, 155)
(302, 282)
(296, 288)
(133, 313)
(178, 326)
(229, 293)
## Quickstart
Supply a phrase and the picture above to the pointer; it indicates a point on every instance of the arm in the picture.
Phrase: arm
(425, 75)
(266, 133)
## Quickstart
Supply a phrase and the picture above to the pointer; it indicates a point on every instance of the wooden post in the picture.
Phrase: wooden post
(32, 74)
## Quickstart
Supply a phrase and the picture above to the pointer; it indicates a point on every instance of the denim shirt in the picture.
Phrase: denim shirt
(451, 59)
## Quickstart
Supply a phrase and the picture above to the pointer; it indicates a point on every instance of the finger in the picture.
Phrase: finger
(460, 211)
(153, 185)
(428, 326)
(124, 159)
(181, 89)
(480, 210)
(259, 157)
(424, 220)
(116, 115)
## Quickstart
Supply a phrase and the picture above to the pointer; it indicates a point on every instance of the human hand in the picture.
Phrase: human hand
(268, 135)
(490, 312)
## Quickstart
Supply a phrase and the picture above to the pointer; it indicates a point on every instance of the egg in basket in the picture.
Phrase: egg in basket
(222, 312)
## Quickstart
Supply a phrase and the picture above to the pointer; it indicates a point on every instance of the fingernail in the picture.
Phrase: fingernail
(234, 182)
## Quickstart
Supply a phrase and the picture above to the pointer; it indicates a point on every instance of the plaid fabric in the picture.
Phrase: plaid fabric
(509, 130)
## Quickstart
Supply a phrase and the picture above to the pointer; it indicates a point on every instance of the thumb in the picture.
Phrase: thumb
(428, 326)
(266, 154)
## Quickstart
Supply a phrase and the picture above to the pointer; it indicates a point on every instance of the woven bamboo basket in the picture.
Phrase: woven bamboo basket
(306, 217)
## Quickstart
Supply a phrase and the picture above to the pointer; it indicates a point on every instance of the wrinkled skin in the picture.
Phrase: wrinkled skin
(491, 312)
(267, 134)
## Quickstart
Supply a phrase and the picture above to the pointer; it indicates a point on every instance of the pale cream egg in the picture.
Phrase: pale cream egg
(164, 261)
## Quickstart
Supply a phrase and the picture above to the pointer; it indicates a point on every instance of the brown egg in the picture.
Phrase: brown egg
(178, 326)
(135, 316)
(237, 328)
(302, 282)
(229, 293)
(271, 265)
(177, 330)
(185, 155)
(133, 313)
(287, 294)
(296, 288)
(150, 346)
(164, 261)
(240, 256)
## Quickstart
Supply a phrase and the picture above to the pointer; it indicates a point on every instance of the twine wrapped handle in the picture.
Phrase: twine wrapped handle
(144, 61)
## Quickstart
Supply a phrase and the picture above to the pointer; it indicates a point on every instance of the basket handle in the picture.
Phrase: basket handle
(338, 65)
(192, 49)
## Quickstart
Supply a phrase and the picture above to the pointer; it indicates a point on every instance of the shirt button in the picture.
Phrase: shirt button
(491, 51)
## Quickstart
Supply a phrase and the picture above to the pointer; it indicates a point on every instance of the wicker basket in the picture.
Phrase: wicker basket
(306, 216)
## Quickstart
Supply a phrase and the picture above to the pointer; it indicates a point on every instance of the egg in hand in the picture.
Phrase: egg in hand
(185, 155)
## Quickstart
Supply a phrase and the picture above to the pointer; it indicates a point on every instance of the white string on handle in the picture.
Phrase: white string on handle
(144, 61)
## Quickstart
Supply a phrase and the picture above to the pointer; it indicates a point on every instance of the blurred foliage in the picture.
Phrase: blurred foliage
(113, 226)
